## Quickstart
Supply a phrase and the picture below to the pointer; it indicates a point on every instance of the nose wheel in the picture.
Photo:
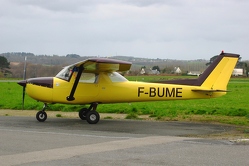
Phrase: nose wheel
(41, 116)
(90, 114)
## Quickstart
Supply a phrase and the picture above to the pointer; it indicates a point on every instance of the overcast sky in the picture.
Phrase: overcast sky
(167, 29)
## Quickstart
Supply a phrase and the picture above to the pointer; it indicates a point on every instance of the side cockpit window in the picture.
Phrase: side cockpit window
(72, 71)
(89, 78)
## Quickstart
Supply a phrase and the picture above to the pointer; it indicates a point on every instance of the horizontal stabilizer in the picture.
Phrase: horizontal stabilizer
(209, 90)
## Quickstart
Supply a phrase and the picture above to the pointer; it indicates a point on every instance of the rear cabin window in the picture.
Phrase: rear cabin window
(116, 77)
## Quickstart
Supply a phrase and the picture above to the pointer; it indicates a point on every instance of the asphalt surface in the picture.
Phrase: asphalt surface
(61, 141)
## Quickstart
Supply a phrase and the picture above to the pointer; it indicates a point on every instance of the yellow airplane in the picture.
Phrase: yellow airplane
(96, 81)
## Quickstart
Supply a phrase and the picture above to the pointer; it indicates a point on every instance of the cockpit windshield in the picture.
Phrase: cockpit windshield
(66, 73)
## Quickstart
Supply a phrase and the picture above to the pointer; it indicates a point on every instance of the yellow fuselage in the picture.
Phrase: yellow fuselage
(106, 91)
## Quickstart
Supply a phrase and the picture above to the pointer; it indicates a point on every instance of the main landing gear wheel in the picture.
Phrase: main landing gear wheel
(41, 116)
(90, 114)
(82, 113)
(92, 117)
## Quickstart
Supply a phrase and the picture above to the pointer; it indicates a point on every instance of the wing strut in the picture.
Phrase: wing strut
(70, 97)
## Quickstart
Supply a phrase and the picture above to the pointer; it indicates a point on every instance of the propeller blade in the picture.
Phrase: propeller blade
(24, 78)
(23, 84)
(23, 96)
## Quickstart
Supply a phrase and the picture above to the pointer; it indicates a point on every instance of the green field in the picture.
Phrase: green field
(232, 108)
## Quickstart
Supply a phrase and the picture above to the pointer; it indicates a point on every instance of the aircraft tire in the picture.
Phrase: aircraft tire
(82, 113)
(92, 117)
(41, 116)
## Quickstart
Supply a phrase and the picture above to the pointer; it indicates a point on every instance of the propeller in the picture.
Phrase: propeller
(23, 83)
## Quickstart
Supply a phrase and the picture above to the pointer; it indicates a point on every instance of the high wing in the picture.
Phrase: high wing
(97, 65)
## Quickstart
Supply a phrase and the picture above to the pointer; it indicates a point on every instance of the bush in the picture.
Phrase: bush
(58, 115)
(239, 112)
(132, 116)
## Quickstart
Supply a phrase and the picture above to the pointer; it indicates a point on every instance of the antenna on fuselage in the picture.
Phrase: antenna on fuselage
(24, 70)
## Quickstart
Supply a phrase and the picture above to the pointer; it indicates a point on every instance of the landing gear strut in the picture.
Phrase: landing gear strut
(90, 114)
(41, 116)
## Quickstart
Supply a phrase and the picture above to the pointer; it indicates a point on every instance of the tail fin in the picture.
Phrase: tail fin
(217, 75)
(215, 78)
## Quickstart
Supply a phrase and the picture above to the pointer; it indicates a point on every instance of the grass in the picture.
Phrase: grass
(232, 108)
(58, 115)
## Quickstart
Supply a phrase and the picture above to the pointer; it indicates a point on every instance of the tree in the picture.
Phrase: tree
(214, 57)
(72, 56)
(143, 67)
(156, 68)
(212, 60)
(4, 64)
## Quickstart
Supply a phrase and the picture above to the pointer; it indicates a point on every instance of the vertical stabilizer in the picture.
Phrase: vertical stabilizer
(217, 75)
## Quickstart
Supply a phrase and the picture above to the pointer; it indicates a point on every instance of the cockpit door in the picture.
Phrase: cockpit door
(88, 87)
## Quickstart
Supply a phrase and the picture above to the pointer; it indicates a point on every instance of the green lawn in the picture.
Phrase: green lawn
(232, 108)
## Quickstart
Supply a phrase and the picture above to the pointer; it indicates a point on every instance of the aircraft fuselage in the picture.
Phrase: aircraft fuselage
(106, 91)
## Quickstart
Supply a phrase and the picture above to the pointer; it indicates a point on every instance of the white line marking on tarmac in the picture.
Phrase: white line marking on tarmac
(72, 151)
(67, 134)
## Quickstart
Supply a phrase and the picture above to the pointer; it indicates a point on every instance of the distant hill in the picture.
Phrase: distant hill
(73, 58)
(56, 62)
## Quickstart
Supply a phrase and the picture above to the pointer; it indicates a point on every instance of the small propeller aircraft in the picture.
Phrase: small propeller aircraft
(97, 81)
